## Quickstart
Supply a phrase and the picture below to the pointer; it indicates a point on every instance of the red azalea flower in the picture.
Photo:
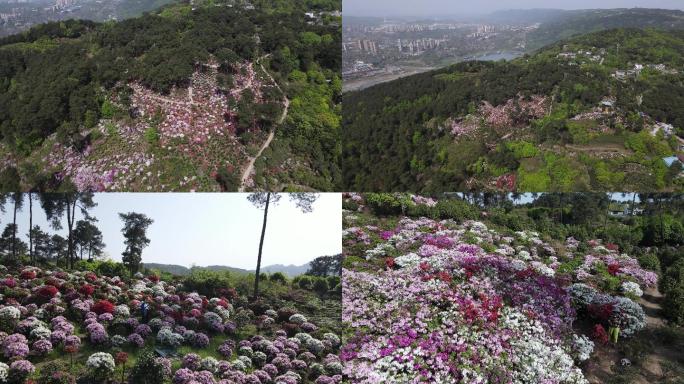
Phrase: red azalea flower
(71, 348)
(424, 266)
(47, 291)
(121, 357)
(86, 289)
(389, 262)
(103, 306)
(600, 335)
(28, 275)
(444, 276)
(153, 278)
(614, 268)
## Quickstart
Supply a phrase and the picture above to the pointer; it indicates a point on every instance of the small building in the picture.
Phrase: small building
(607, 104)
(672, 159)
(618, 210)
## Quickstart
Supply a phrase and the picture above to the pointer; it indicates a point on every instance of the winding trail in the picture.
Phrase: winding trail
(247, 172)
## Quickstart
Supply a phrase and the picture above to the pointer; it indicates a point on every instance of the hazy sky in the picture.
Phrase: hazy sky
(454, 7)
(212, 228)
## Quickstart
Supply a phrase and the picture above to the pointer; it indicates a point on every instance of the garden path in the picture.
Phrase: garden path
(656, 359)
(247, 173)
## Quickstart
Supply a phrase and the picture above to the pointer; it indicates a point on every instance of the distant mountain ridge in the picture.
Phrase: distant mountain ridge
(288, 270)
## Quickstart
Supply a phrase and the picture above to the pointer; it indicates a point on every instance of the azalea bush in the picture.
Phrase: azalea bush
(443, 301)
(60, 313)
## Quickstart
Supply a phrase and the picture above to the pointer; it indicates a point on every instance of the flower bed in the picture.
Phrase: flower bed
(106, 313)
(446, 302)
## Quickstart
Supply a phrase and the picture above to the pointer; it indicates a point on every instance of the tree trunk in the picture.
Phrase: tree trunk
(30, 197)
(261, 245)
(14, 232)
(70, 244)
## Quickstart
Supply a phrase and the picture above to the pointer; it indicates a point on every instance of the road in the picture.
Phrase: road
(247, 172)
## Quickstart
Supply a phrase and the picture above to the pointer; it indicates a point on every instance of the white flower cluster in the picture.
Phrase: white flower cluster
(4, 372)
(332, 338)
(122, 311)
(209, 364)
(408, 260)
(380, 250)
(167, 337)
(298, 318)
(9, 313)
(101, 361)
(582, 347)
(537, 358)
(40, 332)
(631, 288)
(543, 269)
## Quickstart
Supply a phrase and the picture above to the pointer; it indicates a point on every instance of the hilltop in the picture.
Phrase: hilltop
(179, 270)
(600, 111)
(175, 100)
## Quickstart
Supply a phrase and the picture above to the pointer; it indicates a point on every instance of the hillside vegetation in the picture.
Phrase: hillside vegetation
(599, 112)
(179, 96)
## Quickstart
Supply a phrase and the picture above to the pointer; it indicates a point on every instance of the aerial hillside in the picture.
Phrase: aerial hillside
(601, 111)
(175, 100)
(20, 16)
(560, 25)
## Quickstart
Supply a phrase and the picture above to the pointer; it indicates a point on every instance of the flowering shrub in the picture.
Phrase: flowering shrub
(101, 365)
(86, 290)
(47, 291)
(112, 318)
(19, 370)
(103, 306)
(42, 347)
(442, 302)
(632, 289)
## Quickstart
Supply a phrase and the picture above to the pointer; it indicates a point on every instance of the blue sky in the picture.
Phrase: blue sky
(455, 7)
(212, 228)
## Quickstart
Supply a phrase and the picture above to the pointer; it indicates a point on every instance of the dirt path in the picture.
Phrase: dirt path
(249, 170)
(651, 301)
(606, 360)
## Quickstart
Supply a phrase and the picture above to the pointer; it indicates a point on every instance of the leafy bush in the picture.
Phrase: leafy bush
(522, 149)
(147, 370)
(207, 282)
(304, 282)
(673, 307)
(673, 277)
(650, 261)
(278, 277)
(388, 203)
(55, 372)
(320, 285)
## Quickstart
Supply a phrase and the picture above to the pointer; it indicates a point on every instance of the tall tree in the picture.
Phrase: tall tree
(57, 248)
(87, 237)
(56, 205)
(10, 244)
(325, 266)
(17, 199)
(135, 232)
(41, 243)
(30, 233)
(303, 201)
